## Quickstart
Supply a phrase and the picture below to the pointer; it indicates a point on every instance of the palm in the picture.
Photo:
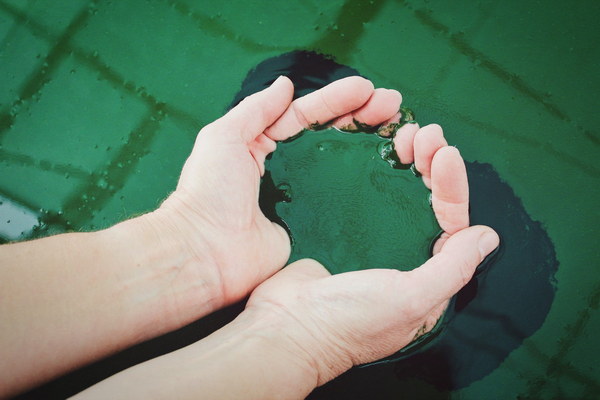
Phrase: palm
(357, 293)
(362, 316)
(218, 188)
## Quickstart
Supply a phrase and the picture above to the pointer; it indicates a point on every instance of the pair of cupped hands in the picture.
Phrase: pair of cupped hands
(330, 322)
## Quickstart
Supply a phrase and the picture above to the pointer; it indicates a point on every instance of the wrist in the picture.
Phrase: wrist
(248, 358)
(288, 363)
(166, 285)
(255, 352)
(301, 341)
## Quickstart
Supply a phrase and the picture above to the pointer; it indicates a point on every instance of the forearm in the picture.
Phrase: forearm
(73, 298)
(250, 358)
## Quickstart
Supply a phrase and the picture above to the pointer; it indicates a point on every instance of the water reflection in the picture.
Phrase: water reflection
(17, 221)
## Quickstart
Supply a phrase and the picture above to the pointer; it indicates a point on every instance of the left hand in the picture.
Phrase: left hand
(215, 206)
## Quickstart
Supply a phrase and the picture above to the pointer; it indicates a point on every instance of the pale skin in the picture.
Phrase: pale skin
(74, 298)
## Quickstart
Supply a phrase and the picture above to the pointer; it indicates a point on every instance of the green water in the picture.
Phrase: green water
(100, 103)
(346, 206)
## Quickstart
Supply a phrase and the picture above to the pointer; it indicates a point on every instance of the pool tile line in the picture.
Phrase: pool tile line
(92, 195)
(214, 27)
(556, 364)
(343, 34)
(44, 165)
(16, 25)
(458, 42)
(442, 75)
(565, 368)
(36, 82)
(92, 60)
(566, 158)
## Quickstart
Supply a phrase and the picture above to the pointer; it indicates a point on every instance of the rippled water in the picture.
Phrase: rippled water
(346, 207)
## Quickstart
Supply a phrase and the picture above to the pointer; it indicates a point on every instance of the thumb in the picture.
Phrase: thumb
(303, 270)
(444, 274)
(284, 284)
(257, 112)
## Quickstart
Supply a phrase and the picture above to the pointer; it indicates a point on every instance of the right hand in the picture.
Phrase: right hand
(335, 322)
(331, 323)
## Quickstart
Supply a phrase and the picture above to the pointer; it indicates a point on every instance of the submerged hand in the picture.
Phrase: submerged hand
(215, 206)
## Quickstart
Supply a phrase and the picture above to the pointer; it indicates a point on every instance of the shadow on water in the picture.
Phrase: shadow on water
(504, 304)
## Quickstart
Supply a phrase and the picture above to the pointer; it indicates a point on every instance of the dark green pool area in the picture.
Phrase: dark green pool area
(100, 103)
(344, 204)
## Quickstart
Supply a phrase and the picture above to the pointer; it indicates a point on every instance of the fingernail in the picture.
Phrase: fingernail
(487, 243)
(279, 78)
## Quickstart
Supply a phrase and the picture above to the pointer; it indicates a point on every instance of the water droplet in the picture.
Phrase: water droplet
(102, 183)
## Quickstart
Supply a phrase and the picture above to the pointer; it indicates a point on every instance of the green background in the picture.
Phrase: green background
(100, 103)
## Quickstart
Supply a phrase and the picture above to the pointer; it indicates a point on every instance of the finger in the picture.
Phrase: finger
(404, 143)
(439, 243)
(321, 106)
(450, 190)
(260, 148)
(256, 112)
(444, 274)
(428, 141)
(394, 120)
(381, 106)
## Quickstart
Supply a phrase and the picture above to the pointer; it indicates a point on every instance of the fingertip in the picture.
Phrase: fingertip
(433, 127)
(428, 140)
(404, 142)
(283, 83)
(449, 174)
(488, 241)
(361, 89)
(382, 105)
(447, 151)
(362, 83)
(395, 96)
